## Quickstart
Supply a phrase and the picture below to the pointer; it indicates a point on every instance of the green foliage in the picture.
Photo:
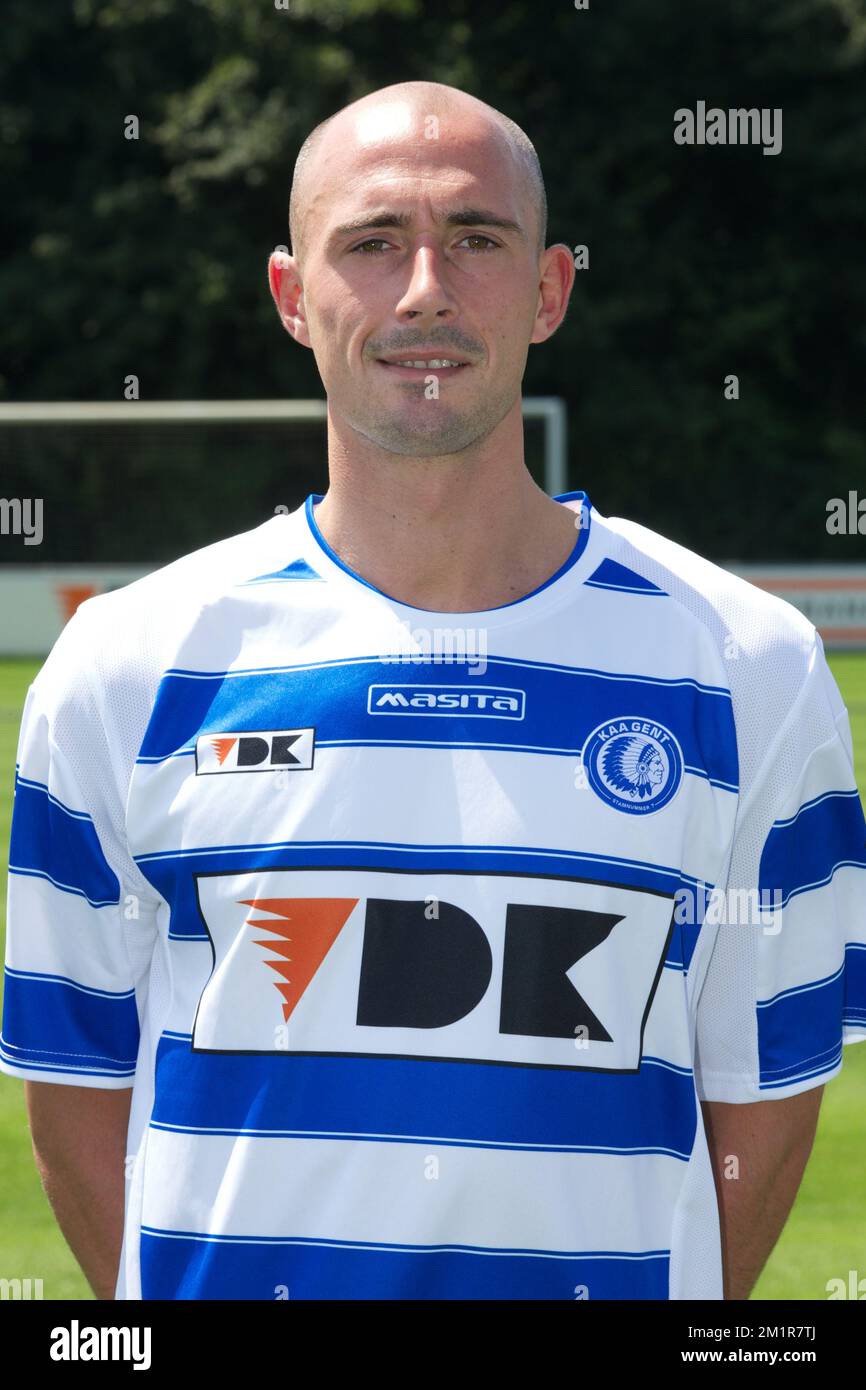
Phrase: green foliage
(147, 256)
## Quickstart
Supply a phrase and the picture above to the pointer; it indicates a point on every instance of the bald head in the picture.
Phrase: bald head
(424, 99)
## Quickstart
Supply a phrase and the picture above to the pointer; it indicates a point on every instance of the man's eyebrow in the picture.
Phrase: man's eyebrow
(457, 217)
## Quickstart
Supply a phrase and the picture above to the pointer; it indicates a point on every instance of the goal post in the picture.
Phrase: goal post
(549, 409)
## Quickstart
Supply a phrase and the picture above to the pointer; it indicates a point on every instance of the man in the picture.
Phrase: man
(400, 858)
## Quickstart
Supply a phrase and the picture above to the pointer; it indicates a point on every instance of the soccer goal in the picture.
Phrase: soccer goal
(550, 410)
(145, 480)
(95, 494)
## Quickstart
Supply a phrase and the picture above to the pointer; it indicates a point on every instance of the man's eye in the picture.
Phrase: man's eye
(479, 236)
(472, 236)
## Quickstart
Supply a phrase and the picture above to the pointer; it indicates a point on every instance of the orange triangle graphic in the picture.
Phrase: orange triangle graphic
(282, 948)
(222, 747)
(281, 967)
(306, 929)
(286, 992)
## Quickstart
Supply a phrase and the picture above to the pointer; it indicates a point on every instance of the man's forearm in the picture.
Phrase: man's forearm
(79, 1144)
(759, 1153)
(752, 1218)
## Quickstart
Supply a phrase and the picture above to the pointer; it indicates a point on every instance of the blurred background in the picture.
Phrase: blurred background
(146, 155)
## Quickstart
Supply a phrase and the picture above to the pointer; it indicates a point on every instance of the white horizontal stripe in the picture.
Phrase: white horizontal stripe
(666, 1035)
(51, 979)
(41, 787)
(800, 989)
(62, 887)
(504, 799)
(816, 801)
(64, 935)
(822, 882)
(385, 1194)
(248, 1132)
(812, 927)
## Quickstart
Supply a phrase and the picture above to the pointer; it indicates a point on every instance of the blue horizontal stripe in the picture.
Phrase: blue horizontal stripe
(172, 872)
(53, 1065)
(64, 887)
(42, 977)
(804, 851)
(563, 706)
(823, 1063)
(398, 1098)
(854, 1005)
(54, 842)
(800, 1029)
(460, 858)
(179, 1267)
(513, 661)
(52, 1022)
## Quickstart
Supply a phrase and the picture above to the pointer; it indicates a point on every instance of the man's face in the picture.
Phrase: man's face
(469, 292)
(656, 771)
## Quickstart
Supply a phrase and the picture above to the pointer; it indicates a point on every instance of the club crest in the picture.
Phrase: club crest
(634, 764)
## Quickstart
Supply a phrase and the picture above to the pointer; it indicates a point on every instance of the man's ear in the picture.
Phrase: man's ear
(288, 294)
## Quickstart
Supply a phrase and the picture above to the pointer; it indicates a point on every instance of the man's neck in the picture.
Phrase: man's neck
(458, 547)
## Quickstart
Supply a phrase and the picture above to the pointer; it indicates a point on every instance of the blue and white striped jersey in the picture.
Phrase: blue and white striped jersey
(420, 936)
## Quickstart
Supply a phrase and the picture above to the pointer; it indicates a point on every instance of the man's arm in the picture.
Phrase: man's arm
(79, 1144)
(771, 1141)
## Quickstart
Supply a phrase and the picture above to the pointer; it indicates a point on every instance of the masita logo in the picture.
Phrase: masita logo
(484, 967)
(266, 750)
(634, 764)
(492, 701)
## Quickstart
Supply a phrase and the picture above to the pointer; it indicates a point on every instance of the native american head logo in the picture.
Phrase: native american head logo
(633, 763)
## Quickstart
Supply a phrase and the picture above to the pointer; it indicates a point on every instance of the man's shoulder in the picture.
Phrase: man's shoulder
(126, 638)
(200, 576)
(742, 619)
(170, 598)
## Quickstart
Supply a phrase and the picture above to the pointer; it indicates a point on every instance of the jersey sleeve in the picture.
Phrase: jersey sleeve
(786, 990)
(81, 919)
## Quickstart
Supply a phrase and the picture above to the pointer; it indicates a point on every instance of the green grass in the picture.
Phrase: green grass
(826, 1233)
(30, 1242)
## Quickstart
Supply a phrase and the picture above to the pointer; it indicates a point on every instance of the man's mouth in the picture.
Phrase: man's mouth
(415, 368)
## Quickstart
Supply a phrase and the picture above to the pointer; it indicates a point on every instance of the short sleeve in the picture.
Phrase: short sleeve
(81, 920)
(785, 988)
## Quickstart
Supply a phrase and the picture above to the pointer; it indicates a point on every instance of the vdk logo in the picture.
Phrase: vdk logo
(417, 963)
(266, 750)
(634, 764)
